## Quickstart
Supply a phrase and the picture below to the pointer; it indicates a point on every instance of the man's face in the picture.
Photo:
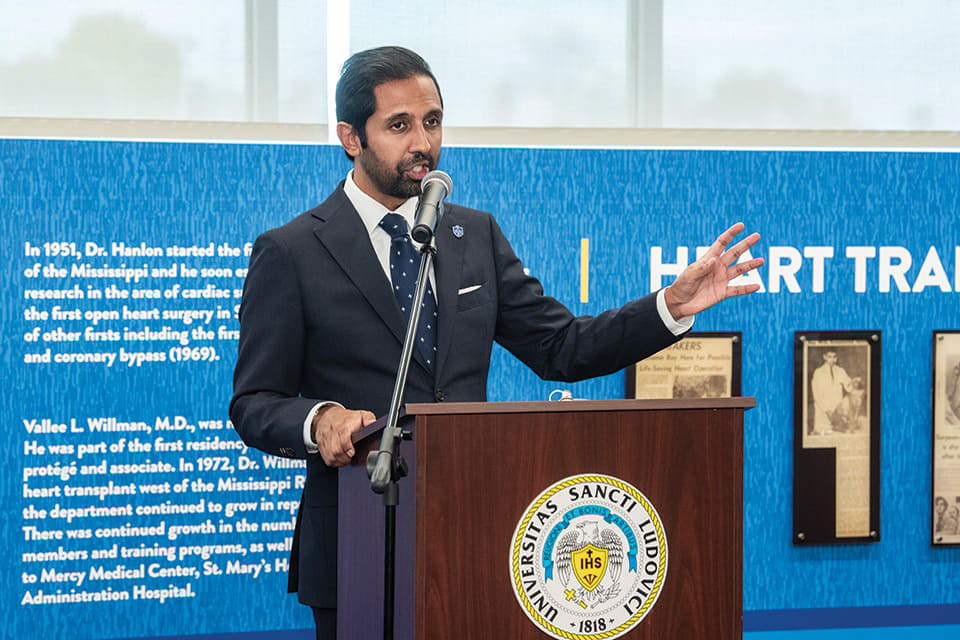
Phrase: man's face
(403, 140)
(830, 358)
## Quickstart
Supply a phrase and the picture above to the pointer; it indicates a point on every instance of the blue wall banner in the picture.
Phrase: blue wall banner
(136, 512)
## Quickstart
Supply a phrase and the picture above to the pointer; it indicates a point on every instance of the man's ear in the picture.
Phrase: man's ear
(349, 139)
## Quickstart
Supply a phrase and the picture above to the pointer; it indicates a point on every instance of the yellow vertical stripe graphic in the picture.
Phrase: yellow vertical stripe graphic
(584, 269)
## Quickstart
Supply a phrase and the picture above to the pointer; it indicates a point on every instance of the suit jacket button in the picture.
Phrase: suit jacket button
(438, 396)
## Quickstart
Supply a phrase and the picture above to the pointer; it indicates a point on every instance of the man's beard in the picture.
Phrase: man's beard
(393, 182)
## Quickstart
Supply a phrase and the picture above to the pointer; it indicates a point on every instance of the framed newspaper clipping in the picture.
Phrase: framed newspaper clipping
(945, 498)
(836, 450)
(702, 365)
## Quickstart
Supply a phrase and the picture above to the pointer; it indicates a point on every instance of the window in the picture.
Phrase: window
(727, 64)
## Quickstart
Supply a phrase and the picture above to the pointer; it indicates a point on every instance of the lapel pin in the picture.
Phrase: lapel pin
(457, 231)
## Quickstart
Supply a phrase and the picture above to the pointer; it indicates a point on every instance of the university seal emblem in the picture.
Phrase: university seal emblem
(588, 558)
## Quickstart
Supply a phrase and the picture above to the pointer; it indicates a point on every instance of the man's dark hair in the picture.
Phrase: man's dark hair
(363, 72)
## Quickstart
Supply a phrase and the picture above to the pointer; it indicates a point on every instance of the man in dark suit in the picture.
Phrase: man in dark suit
(321, 329)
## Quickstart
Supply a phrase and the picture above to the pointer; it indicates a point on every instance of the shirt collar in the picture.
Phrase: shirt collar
(372, 212)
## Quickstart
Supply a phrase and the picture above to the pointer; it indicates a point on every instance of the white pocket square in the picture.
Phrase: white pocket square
(468, 289)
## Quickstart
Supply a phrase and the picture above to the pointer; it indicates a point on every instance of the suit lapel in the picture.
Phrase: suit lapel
(449, 263)
(342, 233)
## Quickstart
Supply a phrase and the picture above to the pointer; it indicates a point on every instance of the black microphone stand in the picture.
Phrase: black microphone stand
(386, 466)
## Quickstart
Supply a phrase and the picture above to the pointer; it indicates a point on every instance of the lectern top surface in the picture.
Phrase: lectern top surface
(562, 406)
(580, 405)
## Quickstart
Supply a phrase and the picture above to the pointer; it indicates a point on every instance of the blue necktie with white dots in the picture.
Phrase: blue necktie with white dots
(404, 266)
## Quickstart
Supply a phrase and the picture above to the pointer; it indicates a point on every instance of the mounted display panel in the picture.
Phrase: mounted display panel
(702, 365)
(836, 451)
(945, 524)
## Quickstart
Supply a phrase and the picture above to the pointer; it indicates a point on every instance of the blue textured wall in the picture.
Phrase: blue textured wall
(624, 201)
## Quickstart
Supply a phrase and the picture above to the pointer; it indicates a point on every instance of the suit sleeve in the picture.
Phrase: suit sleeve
(267, 410)
(546, 336)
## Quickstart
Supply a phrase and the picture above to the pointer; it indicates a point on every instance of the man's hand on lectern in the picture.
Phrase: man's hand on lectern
(332, 427)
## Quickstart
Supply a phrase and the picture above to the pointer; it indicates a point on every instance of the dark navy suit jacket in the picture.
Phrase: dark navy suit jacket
(318, 321)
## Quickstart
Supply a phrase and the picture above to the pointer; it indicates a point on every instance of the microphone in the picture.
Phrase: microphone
(434, 188)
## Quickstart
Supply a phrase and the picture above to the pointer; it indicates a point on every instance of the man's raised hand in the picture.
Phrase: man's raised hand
(707, 281)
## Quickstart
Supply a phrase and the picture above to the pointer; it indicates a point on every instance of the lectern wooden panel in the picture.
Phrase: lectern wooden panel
(475, 468)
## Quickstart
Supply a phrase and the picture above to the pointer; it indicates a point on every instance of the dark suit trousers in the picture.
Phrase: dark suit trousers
(326, 621)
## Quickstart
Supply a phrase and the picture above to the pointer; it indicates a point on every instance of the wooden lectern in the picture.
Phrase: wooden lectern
(475, 468)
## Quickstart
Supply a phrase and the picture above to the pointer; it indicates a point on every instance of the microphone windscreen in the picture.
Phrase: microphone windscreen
(435, 175)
